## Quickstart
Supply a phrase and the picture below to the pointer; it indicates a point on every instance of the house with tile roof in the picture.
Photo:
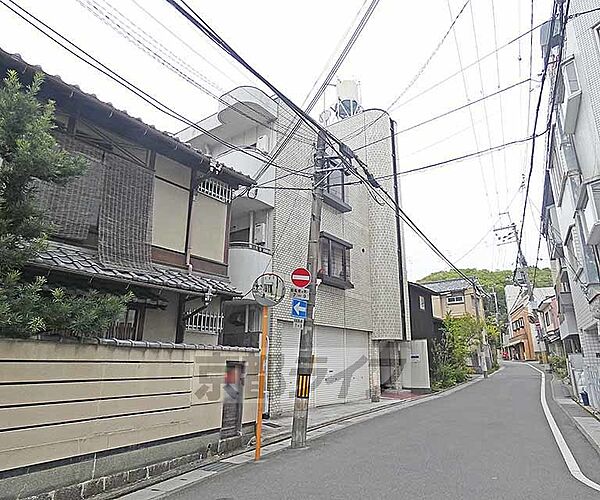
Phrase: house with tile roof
(457, 297)
(165, 385)
(150, 216)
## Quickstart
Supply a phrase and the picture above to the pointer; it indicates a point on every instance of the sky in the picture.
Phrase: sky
(457, 205)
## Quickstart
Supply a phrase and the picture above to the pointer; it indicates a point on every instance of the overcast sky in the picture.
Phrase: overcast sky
(456, 205)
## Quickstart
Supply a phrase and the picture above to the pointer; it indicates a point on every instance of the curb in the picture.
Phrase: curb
(276, 441)
(580, 427)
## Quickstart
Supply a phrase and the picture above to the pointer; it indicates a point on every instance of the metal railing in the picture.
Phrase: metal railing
(252, 246)
(203, 322)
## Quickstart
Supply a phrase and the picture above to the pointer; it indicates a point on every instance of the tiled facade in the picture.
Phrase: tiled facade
(363, 315)
(373, 305)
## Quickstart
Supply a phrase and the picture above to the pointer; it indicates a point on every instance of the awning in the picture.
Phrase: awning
(515, 342)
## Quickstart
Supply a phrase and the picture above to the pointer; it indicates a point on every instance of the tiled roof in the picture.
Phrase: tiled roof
(11, 60)
(82, 261)
(453, 285)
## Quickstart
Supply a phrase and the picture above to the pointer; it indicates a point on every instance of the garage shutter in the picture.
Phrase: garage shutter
(357, 363)
(329, 367)
(290, 342)
(341, 357)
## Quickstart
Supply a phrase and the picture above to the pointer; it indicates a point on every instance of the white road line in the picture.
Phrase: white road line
(560, 440)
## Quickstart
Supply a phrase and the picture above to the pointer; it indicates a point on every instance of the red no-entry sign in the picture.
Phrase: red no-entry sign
(301, 277)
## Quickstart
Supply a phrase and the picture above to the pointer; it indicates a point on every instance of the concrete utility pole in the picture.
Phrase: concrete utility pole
(522, 276)
(305, 354)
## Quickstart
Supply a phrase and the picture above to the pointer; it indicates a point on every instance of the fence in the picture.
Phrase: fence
(205, 323)
(61, 400)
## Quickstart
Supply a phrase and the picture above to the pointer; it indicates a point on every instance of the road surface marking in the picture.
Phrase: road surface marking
(560, 440)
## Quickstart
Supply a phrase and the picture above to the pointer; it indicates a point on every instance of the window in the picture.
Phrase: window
(334, 257)
(568, 96)
(518, 324)
(572, 259)
(456, 299)
(335, 184)
(547, 318)
(334, 187)
(570, 77)
(421, 302)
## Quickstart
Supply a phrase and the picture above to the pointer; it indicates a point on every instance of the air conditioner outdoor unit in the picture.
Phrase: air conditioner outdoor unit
(260, 233)
(591, 214)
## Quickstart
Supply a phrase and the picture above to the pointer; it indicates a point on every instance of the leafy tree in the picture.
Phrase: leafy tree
(29, 152)
(461, 336)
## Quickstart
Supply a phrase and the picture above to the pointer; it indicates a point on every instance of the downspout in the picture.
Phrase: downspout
(398, 229)
(188, 230)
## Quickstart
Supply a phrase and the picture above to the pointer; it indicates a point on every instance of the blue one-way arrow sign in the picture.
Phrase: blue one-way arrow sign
(299, 308)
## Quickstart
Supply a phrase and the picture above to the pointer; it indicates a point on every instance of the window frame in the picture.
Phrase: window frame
(326, 278)
(461, 301)
(422, 305)
(333, 200)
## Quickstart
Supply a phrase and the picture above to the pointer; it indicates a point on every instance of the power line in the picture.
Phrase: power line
(422, 69)
(437, 117)
(500, 99)
(341, 58)
(471, 119)
(470, 65)
(537, 110)
(418, 74)
(577, 14)
(128, 30)
(56, 37)
(485, 111)
(460, 158)
(183, 42)
(195, 19)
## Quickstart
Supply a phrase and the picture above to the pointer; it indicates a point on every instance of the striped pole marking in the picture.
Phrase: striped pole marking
(303, 386)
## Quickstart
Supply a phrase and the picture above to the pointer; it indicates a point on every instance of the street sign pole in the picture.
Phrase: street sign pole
(261, 380)
(299, 424)
(268, 290)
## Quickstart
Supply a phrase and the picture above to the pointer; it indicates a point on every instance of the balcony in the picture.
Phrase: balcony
(568, 324)
(253, 165)
(247, 261)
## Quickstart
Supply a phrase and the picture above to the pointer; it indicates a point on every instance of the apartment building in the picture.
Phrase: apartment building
(362, 316)
(571, 208)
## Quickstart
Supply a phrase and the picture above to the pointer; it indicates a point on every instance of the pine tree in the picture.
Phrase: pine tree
(29, 152)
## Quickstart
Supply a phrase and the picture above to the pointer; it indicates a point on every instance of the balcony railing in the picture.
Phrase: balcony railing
(253, 246)
(205, 323)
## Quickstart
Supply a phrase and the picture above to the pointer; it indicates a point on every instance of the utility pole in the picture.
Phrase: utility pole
(522, 275)
(305, 354)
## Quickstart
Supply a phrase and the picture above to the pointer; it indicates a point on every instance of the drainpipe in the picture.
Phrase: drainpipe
(188, 232)
(398, 228)
(251, 229)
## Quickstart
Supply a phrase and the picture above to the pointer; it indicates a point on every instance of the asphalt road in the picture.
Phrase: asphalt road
(487, 441)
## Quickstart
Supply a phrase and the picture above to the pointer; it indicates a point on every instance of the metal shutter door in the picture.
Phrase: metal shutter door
(357, 365)
(329, 367)
(290, 343)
